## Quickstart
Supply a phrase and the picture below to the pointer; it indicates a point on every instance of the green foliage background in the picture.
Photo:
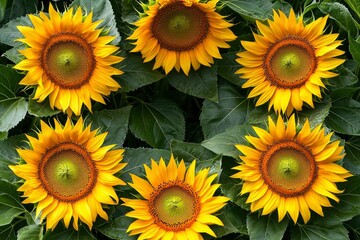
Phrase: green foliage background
(197, 117)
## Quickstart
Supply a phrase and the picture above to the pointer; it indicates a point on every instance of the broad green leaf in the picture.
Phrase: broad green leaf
(234, 220)
(102, 10)
(231, 110)
(21, 8)
(116, 229)
(255, 9)
(201, 83)
(344, 117)
(31, 232)
(354, 228)
(317, 115)
(10, 204)
(137, 157)
(42, 109)
(227, 68)
(354, 48)
(341, 93)
(114, 122)
(129, 12)
(157, 123)
(12, 111)
(9, 82)
(136, 73)
(266, 227)
(345, 78)
(342, 16)
(352, 160)
(3, 135)
(62, 233)
(9, 32)
(2, 9)
(14, 55)
(224, 143)
(354, 5)
(9, 156)
(190, 151)
(8, 232)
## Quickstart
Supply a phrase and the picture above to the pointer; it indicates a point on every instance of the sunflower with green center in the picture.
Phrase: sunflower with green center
(287, 62)
(67, 60)
(177, 204)
(181, 33)
(289, 171)
(69, 174)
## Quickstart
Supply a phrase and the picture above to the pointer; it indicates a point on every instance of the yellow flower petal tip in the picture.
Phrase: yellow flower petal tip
(286, 64)
(177, 203)
(180, 34)
(291, 172)
(69, 174)
(67, 61)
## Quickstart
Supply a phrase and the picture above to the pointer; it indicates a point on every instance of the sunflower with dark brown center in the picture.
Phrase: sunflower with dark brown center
(289, 171)
(177, 204)
(287, 62)
(181, 33)
(69, 174)
(67, 60)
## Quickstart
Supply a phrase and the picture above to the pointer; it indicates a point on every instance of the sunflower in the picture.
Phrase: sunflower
(181, 33)
(177, 204)
(68, 60)
(290, 171)
(69, 174)
(286, 63)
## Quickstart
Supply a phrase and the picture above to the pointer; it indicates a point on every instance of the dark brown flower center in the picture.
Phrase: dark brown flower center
(68, 60)
(290, 62)
(67, 172)
(174, 205)
(288, 168)
(178, 27)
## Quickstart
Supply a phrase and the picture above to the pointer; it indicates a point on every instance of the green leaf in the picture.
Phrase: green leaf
(10, 205)
(62, 233)
(14, 55)
(114, 122)
(345, 78)
(31, 232)
(22, 7)
(231, 110)
(12, 111)
(190, 151)
(116, 229)
(9, 83)
(8, 232)
(137, 157)
(2, 9)
(344, 118)
(255, 9)
(354, 5)
(201, 83)
(341, 14)
(102, 10)
(157, 123)
(354, 48)
(352, 160)
(354, 228)
(9, 32)
(317, 115)
(224, 143)
(9, 156)
(227, 66)
(42, 109)
(266, 227)
(3, 135)
(136, 73)
(234, 220)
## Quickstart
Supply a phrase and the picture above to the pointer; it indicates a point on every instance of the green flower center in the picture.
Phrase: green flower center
(67, 172)
(288, 168)
(290, 62)
(178, 27)
(174, 205)
(68, 60)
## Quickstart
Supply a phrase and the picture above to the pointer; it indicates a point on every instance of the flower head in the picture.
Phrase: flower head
(69, 174)
(177, 204)
(181, 33)
(67, 60)
(289, 171)
(287, 62)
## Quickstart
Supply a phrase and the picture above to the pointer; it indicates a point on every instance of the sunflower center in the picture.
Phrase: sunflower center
(174, 205)
(288, 168)
(68, 60)
(290, 62)
(67, 172)
(178, 27)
